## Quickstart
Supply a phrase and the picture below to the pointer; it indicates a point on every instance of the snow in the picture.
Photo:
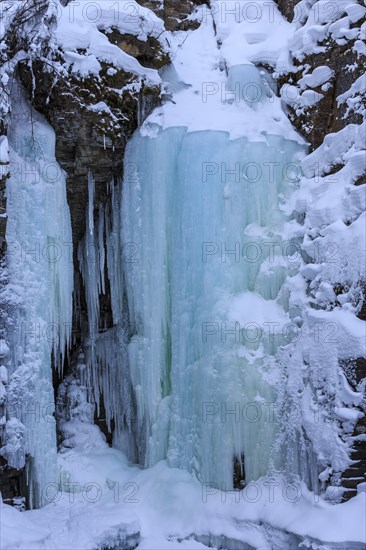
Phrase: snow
(334, 149)
(355, 12)
(325, 20)
(319, 76)
(353, 96)
(4, 348)
(250, 307)
(168, 508)
(17, 530)
(83, 26)
(4, 149)
(334, 204)
(258, 27)
(75, 415)
(198, 65)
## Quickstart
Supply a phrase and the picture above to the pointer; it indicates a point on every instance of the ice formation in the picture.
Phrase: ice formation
(40, 269)
(201, 295)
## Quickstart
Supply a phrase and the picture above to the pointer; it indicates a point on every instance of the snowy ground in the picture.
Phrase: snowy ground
(102, 496)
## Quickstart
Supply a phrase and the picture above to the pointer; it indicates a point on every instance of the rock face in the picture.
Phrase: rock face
(328, 115)
(147, 52)
(176, 15)
(346, 60)
(356, 375)
(11, 485)
(335, 103)
(86, 138)
(287, 8)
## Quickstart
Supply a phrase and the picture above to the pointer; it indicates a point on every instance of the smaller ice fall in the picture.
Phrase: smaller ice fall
(40, 266)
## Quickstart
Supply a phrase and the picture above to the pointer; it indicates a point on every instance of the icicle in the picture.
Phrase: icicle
(101, 248)
(107, 376)
(91, 189)
(91, 257)
(39, 258)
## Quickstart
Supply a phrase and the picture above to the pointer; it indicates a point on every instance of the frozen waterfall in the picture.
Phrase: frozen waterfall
(39, 257)
(204, 295)
(197, 258)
